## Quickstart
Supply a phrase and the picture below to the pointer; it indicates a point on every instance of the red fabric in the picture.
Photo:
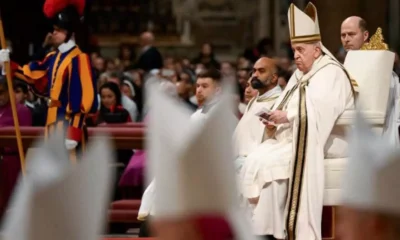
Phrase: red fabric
(123, 216)
(14, 66)
(40, 87)
(213, 227)
(74, 133)
(52, 7)
(9, 171)
(10, 163)
(126, 204)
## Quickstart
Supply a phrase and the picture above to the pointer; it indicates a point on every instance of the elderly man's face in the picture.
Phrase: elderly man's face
(305, 55)
(352, 36)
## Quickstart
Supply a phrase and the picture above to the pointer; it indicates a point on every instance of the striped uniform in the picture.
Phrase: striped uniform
(66, 80)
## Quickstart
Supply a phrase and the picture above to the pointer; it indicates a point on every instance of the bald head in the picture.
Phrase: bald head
(265, 63)
(264, 75)
(147, 39)
(353, 33)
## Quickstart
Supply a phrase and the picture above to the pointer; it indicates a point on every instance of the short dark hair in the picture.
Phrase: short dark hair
(284, 74)
(212, 73)
(23, 86)
(363, 25)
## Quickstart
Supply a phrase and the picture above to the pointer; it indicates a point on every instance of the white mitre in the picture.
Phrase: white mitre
(304, 26)
(372, 68)
(192, 163)
(57, 200)
(371, 178)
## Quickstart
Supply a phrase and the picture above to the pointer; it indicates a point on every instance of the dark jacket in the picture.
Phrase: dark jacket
(149, 60)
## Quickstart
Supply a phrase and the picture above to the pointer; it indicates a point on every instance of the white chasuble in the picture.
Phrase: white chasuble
(250, 131)
(289, 179)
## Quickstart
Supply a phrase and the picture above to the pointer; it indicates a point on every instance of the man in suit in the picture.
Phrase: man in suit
(149, 58)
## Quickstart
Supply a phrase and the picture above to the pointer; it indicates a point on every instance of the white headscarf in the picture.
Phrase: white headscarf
(130, 85)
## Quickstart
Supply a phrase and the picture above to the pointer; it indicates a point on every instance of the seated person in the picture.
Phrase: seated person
(38, 109)
(249, 93)
(126, 102)
(111, 109)
(283, 178)
(10, 166)
(251, 132)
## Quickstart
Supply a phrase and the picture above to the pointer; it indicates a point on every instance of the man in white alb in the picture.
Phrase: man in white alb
(251, 132)
(285, 186)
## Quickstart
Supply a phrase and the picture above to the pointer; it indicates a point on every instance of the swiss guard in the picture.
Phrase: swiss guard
(64, 77)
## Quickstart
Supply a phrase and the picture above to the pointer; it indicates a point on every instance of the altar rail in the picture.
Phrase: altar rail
(124, 136)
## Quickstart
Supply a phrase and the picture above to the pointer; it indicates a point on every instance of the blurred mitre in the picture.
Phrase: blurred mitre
(371, 177)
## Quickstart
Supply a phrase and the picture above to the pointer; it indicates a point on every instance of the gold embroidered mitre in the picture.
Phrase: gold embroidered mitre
(303, 26)
(376, 42)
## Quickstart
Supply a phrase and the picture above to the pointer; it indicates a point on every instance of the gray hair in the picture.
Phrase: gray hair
(317, 44)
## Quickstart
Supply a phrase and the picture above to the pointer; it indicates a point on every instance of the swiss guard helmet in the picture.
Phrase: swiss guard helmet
(65, 14)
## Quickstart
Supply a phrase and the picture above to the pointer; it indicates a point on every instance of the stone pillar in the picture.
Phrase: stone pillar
(394, 25)
(186, 32)
(375, 13)
(277, 26)
(264, 29)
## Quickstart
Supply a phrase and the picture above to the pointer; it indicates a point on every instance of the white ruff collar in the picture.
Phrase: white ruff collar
(65, 47)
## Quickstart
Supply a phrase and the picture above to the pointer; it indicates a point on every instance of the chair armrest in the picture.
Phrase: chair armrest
(348, 116)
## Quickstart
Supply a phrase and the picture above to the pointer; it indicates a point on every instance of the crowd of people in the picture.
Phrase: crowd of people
(121, 80)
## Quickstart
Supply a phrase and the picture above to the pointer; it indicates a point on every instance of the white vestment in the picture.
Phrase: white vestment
(289, 179)
(392, 114)
(250, 131)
